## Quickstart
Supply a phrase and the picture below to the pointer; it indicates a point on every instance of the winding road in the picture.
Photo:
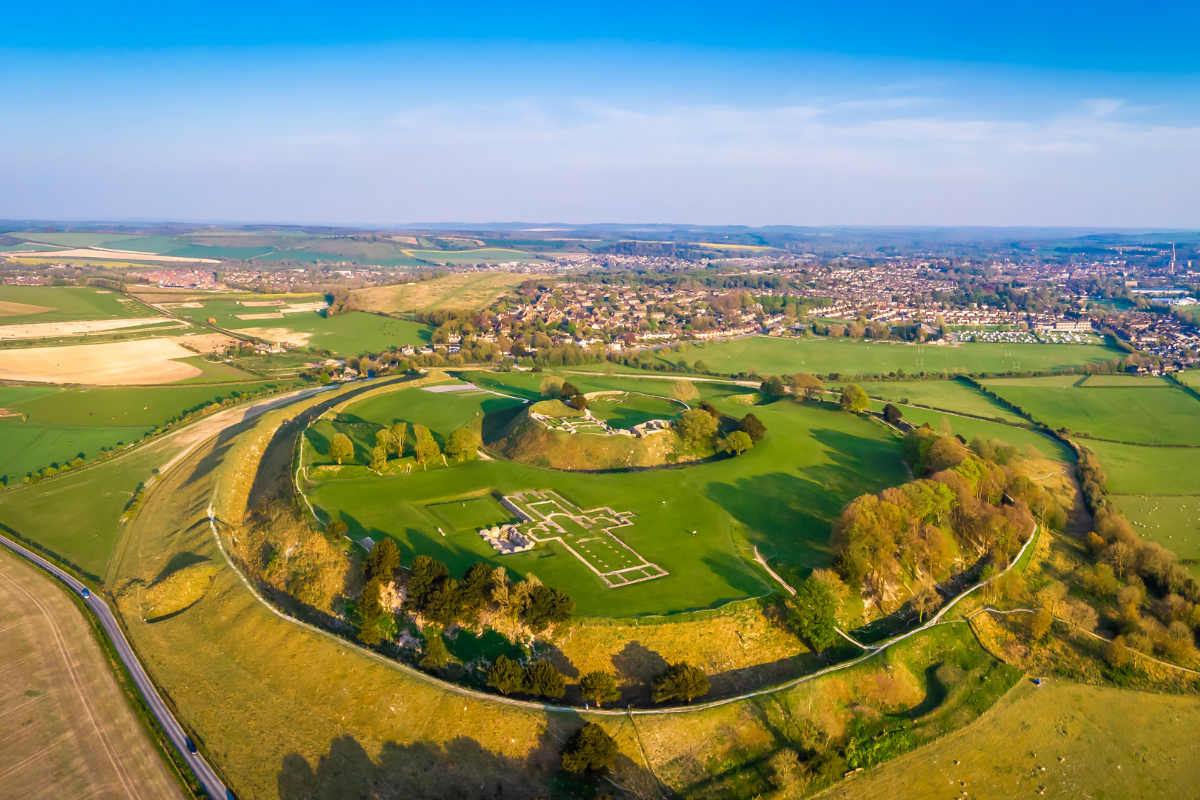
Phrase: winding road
(212, 784)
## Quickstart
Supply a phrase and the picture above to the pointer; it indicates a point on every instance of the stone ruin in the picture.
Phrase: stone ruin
(506, 539)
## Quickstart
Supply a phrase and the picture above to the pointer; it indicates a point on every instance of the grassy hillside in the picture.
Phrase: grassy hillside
(465, 290)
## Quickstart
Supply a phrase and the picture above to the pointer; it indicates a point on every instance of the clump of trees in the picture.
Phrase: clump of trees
(914, 535)
(753, 427)
(540, 678)
(682, 682)
(812, 612)
(854, 400)
(443, 600)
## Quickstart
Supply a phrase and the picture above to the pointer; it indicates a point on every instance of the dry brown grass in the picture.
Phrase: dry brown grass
(144, 361)
(66, 729)
(464, 290)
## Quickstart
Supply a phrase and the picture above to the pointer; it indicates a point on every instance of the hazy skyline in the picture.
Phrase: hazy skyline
(1078, 116)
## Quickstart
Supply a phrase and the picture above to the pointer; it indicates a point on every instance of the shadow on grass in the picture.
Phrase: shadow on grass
(459, 768)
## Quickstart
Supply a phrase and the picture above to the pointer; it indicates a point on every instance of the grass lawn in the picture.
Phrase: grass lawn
(771, 355)
(950, 395)
(215, 372)
(465, 290)
(1190, 378)
(1172, 521)
(782, 495)
(473, 514)
(68, 303)
(1134, 469)
(1157, 414)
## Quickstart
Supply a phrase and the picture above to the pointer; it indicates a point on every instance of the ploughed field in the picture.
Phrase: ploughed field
(696, 523)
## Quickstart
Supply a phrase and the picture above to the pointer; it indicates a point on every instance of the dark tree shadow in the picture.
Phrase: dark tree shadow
(637, 665)
(460, 768)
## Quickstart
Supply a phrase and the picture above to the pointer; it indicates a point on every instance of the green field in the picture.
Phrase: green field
(968, 428)
(1171, 520)
(1137, 469)
(1190, 378)
(782, 495)
(70, 303)
(350, 334)
(71, 239)
(1157, 414)
(950, 395)
(61, 424)
(77, 516)
(774, 356)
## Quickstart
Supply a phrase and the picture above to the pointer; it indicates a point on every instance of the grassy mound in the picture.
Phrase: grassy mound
(178, 590)
(554, 408)
(533, 444)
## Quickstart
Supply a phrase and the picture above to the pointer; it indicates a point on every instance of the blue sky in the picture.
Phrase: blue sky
(972, 114)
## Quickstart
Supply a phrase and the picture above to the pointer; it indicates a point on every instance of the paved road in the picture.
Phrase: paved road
(203, 771)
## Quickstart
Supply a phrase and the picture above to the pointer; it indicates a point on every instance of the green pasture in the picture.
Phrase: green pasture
(350, 334)
(1158, 414)
(950, 395)
(1141, 469)
(472, 514)
(527, 384)
(1127, 381)
(71, 303)
(77, 516)
(969, 427)
(775, 356)
(143, 406)
(28, 447)
(1171, 520)
(215, 372)
(1190, 378)
(782, 495)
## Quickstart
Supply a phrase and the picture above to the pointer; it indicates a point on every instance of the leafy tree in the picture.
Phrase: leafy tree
(336, 530)
(506, 676)
(806, 386)
(426, 572)
(541, 678)
(711, 410)
(341, 447)
(753, 427)
(599, 687)
(460, 445)
(1039, 626)
(892, 414)
(1116, 653)
(701, 365)
(442, 603)
(379, 459)
(436, 655)
(854, 399)
(738, 442)
(590, 749)
(684, 391)
(772, 386)
(568, 390)
(551, 386)
(580, 402)
(476, 587)
(696, 427)
(382, 561)
(812, 614)
(547, 607)
(399, 432)
(681, 681)
(383, 439)
(427, 446)
(372, 612)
